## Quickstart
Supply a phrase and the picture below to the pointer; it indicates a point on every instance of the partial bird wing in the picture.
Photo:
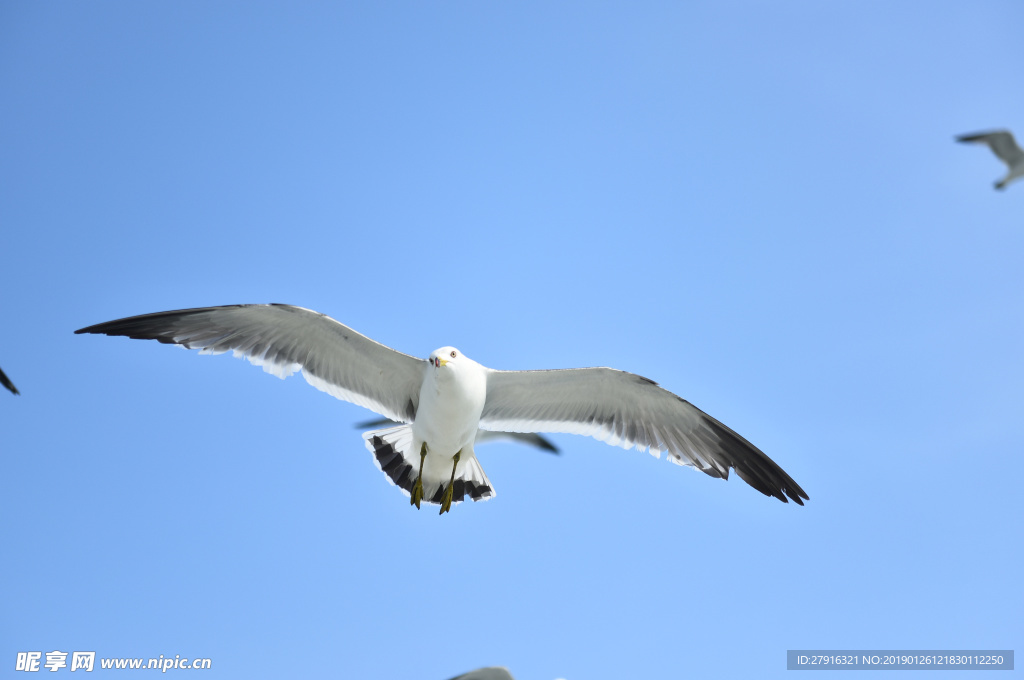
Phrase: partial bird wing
(491, 673)
(1002, 144)
(482, 436)
(283, 339)
(527, 438)
(627, 410)
(6, 382)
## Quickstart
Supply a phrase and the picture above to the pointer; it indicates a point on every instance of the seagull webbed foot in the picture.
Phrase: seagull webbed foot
(417, 493)
(446, 498)
(417, 487)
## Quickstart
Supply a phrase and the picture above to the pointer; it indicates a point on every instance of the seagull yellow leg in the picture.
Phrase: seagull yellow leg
(446, 499)
(417, 488)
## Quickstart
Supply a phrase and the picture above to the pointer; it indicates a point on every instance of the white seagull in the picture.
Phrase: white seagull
(1005, 147)
(443, 401)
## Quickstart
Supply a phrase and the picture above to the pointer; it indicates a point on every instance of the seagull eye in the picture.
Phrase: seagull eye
(453, 354)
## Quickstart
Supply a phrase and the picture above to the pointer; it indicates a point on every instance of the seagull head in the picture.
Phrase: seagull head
(441, 358)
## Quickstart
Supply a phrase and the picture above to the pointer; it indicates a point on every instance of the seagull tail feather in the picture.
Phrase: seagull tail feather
(396, 454)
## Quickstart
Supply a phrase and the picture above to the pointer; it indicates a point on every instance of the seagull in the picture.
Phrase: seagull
(1005, 147)
(489, 673)
(6, 382)
(482, 436)
(442, 402)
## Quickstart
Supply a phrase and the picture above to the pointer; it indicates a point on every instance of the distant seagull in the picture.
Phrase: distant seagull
(490, 673)
(1005, 147)
(448, 397)
(482, 436)
(6, 382)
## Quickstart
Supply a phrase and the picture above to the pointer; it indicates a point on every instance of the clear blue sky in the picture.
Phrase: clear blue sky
(758, 205)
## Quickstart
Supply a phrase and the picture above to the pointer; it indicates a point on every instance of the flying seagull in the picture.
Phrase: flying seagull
(1005, 147)
(489, 673)
(6, 382)
(442, 401)
(482, 436)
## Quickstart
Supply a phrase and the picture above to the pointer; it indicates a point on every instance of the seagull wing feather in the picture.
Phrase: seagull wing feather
(6, 382)
(283, 339)
(1002, 144)
(482, 436)
(627, 410)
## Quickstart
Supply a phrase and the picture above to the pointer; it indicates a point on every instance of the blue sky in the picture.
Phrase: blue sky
(758, 205)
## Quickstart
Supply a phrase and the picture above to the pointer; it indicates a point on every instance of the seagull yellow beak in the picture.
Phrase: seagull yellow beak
(442, 361)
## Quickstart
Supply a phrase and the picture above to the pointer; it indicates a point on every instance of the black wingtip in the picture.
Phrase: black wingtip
(978, 136)
(544, 444)
(374, 424)
(156, 326)
(6, 382)
(754, 467)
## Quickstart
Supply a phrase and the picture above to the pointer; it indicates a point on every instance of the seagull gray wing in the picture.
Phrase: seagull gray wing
(283, 339)
(6, 382)
(1002, 144)
(627, 410)
(491, 673)
(482, 436)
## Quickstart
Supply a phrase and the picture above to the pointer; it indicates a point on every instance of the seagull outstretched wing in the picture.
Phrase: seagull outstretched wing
(284, 339)
(627, 410)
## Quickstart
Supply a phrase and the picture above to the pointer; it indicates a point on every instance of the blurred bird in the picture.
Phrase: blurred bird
(1004, 146)
(6, 382)
(489, 673)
